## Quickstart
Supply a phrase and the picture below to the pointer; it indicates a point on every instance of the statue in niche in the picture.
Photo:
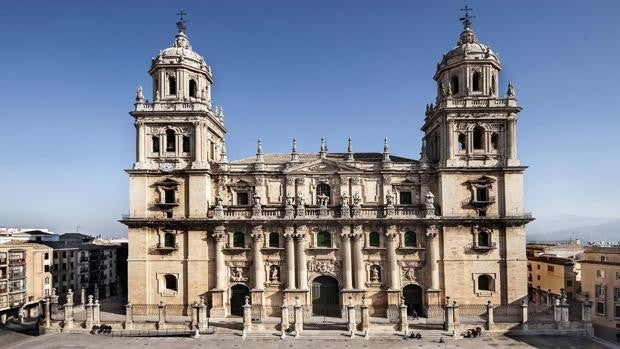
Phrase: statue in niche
(323, 200)
(274, 273)
(374, 273)
(357, 199)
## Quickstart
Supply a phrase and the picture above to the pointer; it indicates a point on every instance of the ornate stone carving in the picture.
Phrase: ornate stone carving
(301, 205)
(408, 274)
(289, 209)
(218, 211)
(238, 274)
(431, 232)
(219, 234)
(429, 205)
(257, 209)
(323, 266)
(274, 273)
(375, 274)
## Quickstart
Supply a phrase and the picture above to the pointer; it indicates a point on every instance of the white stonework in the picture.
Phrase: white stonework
(277, 226)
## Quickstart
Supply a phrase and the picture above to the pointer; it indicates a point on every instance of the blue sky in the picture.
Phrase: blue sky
(301, 69)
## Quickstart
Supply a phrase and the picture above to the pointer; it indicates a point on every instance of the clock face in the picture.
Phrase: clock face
(166, 166)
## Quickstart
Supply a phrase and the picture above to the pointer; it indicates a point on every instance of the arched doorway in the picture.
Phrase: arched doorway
(413, 299)
(325, 296)
(237, 299)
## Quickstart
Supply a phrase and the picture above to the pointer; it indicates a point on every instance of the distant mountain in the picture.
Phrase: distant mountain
(608, 231)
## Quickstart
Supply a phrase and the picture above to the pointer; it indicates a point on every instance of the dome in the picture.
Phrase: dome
(181, 52)
(468, 47)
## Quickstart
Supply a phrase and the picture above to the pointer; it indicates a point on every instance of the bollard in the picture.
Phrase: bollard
(284, 324)
(68, 318)
(82, 297)
(524, 320)
(490, 321)
(448, 322)
(129, 316)
(161, 320)
(351, 317)
(586, 316)
(404, 324)
(247, 316)
(194, 321)
(48, 314)
(365, 323)
(202, 314)
(89, 313)
(298, 312)
(96, 313)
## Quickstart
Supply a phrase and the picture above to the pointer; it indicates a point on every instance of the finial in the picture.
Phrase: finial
(386, 150)
(294, 155)
(223, 153)
(350, 151)
(259, 151)
(323, 150)
(139, 95)
(181, 23)
(511, 90)
(467, 18)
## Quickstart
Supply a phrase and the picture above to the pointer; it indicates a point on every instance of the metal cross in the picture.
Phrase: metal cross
(183, 13)
(467, 18)
(181, 22)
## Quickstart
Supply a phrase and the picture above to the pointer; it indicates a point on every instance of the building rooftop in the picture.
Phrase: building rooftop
(281, 158)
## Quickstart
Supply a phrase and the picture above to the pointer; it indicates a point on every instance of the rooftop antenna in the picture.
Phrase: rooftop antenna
(467, 18)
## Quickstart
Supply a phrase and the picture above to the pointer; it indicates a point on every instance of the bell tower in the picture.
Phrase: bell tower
(470, 124)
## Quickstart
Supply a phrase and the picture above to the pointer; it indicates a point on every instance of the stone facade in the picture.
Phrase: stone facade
(280, 226)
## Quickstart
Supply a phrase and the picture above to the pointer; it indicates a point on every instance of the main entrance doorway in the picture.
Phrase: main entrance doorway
(413, 299)
(325, 294)
(237, 299)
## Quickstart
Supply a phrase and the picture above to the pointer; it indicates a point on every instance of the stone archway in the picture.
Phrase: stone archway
(237, 298)
(413, 299)
(325, 295)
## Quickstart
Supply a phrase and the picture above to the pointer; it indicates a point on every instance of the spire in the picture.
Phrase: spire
(423, 156)
(350, 151)
(294, 154)
(511, 90)
(259, 152)
(223, 153)
(386, 150)
(323, 150)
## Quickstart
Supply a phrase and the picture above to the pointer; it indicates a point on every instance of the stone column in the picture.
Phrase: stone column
(141, 142)
(404, 323)
(97, 313)
(346, 257)
(54, 301)
(432, 246)
(194, 318)
(299, 319)
(202, 314)
(129, 316)
(302, 268)
(586, 316)
(392, 240)
(89, 313)
(360, 272)
(351, 317)
(289, 234)
(161, 320)
(220, 268)
(48, 314)
(448, 322)
(257, 258)
(68, 321)
(490, 321)
(456, 314)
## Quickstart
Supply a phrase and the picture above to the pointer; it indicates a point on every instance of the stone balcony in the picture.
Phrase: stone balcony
(315, 213)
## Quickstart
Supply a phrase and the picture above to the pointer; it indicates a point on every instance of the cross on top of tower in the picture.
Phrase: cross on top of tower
(181, 23)
(467, 18)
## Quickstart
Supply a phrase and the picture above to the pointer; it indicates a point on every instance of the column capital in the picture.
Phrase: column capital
(431, 232)
(219, 233)
(345, 232)
(391, 232)
(257, 233)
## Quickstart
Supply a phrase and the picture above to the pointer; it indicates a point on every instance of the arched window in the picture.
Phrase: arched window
(374, 240)
(172, 85)
(155, 144)
(186, 144)
(462, 142)
(484, 239)
(494, 141)
(47, 280)
(324, 239)
(476, 81)
(238, 239)
(485, 283)
(171, 282)
(274, 240)
(170, 140)
(192, 88)
(169, 240)
(410, 239)
(454, 84)
(478, 137)
(323, 192)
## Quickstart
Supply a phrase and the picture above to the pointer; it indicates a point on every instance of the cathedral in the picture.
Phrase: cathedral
(326, 229)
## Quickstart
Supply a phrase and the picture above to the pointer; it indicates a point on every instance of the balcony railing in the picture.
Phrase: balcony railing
(476, 202)
(17, 275)
(3, 261)
(17, 261)
(17, 289)
(491, 246)
(167, 203)
(164, 247)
